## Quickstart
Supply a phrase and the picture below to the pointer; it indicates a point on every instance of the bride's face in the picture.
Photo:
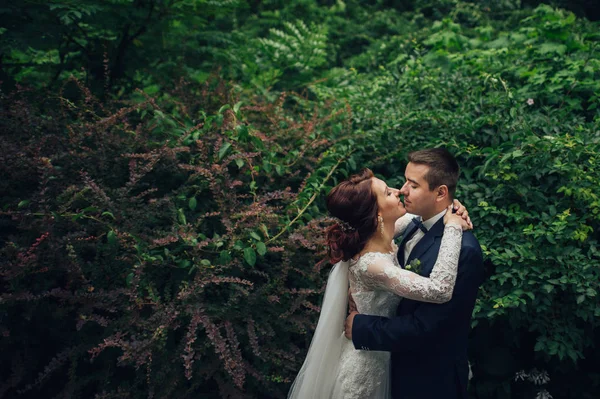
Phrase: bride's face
(388, 201)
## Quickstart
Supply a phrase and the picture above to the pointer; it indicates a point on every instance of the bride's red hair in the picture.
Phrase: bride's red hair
(354, 202)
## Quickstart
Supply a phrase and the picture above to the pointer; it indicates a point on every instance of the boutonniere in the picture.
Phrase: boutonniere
(414, 266)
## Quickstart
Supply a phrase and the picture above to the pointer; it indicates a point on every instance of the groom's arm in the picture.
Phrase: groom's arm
(410, 332)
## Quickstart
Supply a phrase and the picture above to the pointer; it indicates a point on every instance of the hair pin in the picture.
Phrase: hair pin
(345, 226)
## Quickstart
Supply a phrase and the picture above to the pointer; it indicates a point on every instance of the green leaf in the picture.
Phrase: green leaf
(548, 287)
(242, 133)
(23, 203)
(223, 109)
(549, 47)
(257, 142)
(129, 279)
(192, 203)
(250, 256)
(255, 235)
(265, 230)
(224, 148)
(352, 163)
(261, 248)
(237, 106)
(151, 90)
(530, 295)
(111, 237)
(239, 162)
(224, 257)
(181, 216)
(106, 213)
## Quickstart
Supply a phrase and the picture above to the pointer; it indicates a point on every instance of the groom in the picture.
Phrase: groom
(428, 341)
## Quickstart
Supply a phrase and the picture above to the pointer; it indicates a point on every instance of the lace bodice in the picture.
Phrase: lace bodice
(377, 284)
(375, 271)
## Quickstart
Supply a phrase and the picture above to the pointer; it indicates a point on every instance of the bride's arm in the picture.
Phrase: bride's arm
(414, 332)
(438, 288)
(402, 223)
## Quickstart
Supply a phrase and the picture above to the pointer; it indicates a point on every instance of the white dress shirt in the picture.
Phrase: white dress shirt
(414, 240)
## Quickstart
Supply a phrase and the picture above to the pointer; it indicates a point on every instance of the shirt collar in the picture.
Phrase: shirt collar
(433, 220)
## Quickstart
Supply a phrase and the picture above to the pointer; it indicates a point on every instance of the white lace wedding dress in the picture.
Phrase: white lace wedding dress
(377, 283)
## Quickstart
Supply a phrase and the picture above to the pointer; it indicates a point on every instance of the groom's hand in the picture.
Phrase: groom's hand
(348, 325)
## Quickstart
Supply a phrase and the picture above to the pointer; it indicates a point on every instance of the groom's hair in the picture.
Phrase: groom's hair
(443, 168)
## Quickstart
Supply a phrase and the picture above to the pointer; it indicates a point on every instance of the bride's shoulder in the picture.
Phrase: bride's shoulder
(362, 261)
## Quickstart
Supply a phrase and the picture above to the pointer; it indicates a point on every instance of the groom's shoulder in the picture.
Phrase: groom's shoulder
(471, 257)
(470, 242)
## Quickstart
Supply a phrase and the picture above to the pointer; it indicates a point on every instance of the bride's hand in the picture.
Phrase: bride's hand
(351, 303)
(456, 219)
(462, 211)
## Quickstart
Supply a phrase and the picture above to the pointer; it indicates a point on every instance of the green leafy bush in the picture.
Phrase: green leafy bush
(519, 108)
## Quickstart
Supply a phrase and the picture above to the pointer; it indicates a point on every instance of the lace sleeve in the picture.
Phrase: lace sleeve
(437, 288)
(402, 223)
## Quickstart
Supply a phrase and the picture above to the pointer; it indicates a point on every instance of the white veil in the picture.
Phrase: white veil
(317, 377)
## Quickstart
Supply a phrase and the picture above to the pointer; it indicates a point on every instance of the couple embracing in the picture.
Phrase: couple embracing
(410, 304)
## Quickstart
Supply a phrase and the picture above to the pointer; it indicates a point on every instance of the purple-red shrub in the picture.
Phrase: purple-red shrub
(165, 247)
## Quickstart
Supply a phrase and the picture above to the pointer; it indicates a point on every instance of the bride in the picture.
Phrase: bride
(369, 215)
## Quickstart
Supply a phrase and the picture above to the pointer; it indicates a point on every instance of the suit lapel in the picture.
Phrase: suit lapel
(437, 230)
(409, 232)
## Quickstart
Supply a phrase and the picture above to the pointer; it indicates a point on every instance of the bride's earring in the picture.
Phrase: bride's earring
(380, 221)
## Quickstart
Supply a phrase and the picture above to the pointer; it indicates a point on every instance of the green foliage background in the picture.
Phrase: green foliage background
(164, 165)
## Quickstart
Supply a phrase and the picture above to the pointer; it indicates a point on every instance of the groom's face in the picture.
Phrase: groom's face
(418, 198)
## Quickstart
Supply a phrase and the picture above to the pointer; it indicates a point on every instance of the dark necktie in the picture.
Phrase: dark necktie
(419, 225)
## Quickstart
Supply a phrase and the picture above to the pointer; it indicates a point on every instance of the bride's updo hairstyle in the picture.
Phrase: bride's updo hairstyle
(354, 203)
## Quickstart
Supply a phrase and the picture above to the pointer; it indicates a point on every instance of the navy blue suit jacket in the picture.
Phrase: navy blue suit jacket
(428, 341)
